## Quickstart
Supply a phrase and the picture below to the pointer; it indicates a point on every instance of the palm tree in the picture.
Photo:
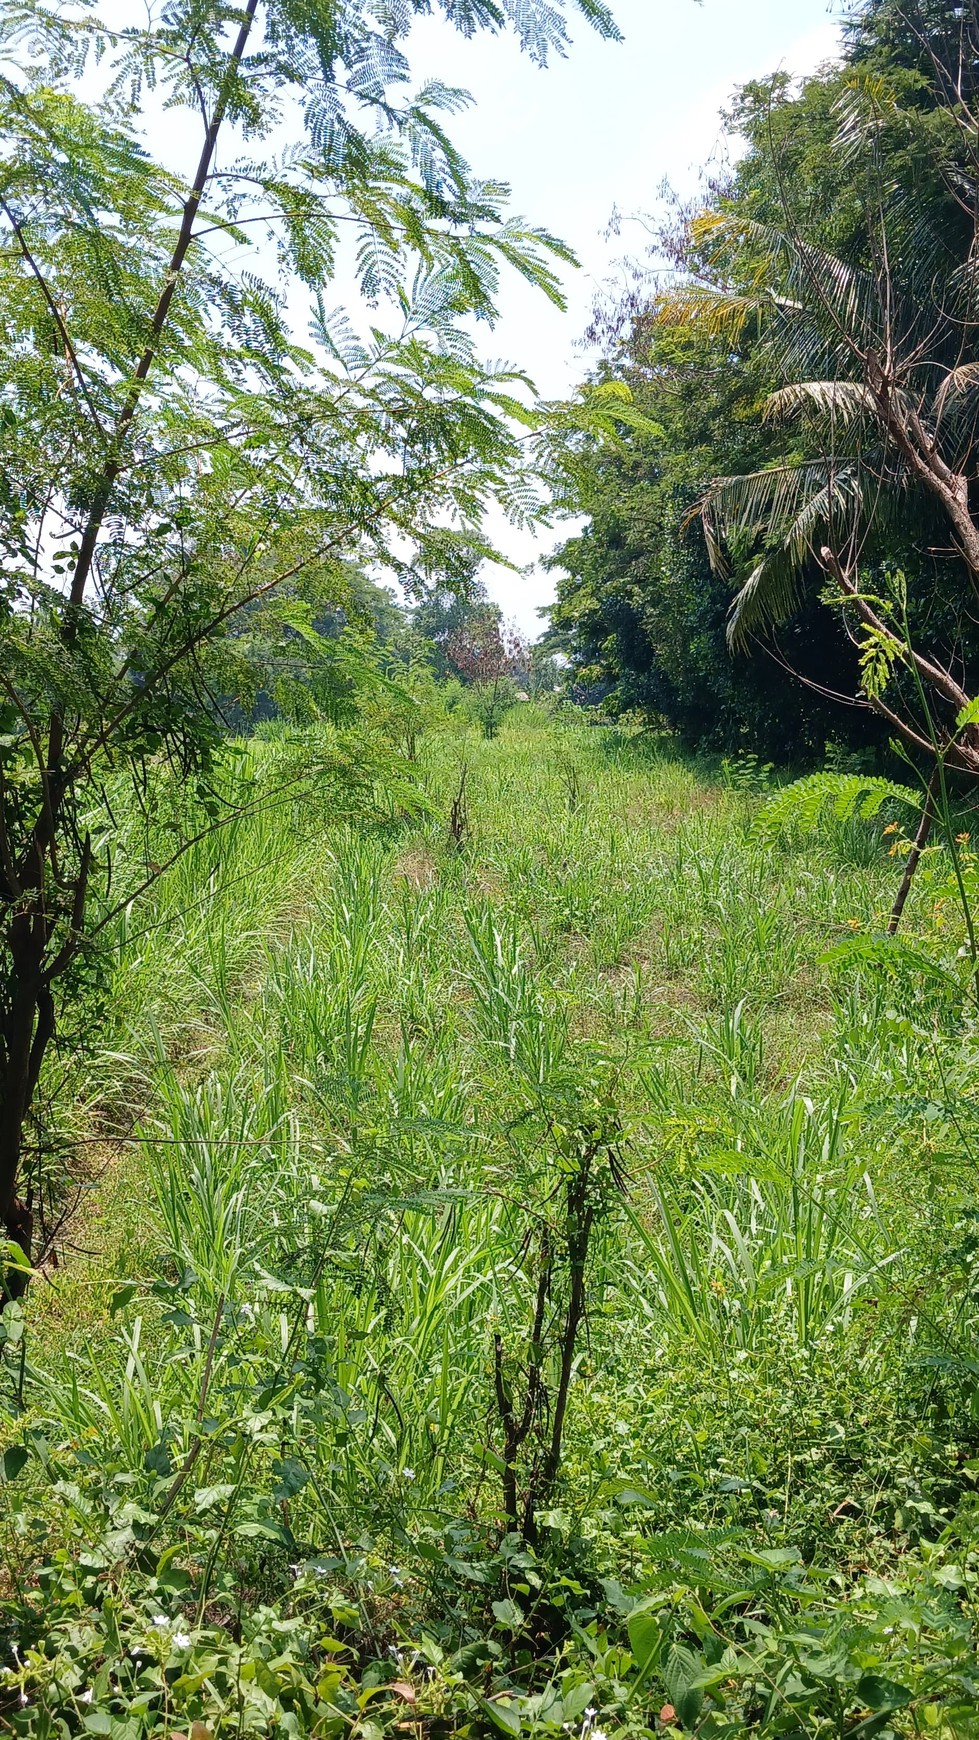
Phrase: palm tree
(876, 354)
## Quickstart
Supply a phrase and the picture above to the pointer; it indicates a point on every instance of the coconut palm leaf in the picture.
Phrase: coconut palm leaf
(772, 590)
(795, 273)
(758, 503)
(843, 402)
(796, 509)
(712, 312)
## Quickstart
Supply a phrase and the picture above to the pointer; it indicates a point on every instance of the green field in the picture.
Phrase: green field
(347, 1082)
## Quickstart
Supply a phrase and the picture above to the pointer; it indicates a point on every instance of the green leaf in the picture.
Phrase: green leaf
(14, 1461)
(576, 1700)
(472, 1658)
(879, 1693)
(493, 1460)
(775, 1558)
(680, 1675)
(206, 1496)
(506, 1717)
(14, 1256)
(508, 1614)
(121, 1297)
(645, 1631)
(266, 1531)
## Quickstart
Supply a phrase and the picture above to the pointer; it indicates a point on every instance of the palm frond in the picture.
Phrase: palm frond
(714, 313)
(795, 272)
(772, 591)
(845, 401)
(867, 102)
(826, 494)
(956, 384)
(758, 503)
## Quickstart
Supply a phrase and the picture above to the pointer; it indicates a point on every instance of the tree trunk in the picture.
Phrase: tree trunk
(27, 1014)
(27, 1030)
(920, 842)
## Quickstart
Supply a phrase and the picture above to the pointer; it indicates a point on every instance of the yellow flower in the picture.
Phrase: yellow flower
(854, 923)
(892, 827)
(963, 839)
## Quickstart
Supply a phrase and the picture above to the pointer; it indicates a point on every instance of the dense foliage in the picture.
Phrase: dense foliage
(639, 609)
(811, 371)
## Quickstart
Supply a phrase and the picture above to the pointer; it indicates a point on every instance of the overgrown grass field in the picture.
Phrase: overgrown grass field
(264, 1450)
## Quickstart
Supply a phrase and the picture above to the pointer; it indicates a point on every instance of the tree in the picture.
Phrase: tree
(449, 598)
(828, 283)
(492, 657)
(873, 496)
(169, 453)
(312, 649)
(638, 608)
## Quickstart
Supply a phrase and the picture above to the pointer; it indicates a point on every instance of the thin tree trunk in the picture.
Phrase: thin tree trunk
(925, 826)
(578, 1223)
(28, 1029)
(29, 1021)
(110, 470)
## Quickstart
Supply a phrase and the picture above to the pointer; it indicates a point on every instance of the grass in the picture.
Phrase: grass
(344, 1071)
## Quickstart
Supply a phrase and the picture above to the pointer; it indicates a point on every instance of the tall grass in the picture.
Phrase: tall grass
(358, 1059)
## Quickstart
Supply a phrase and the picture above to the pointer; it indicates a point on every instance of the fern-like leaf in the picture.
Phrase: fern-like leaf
(845, 794)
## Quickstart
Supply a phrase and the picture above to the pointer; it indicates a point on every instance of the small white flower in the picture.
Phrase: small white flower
(590, 1713)
(85, 1697)
(23, 1699)
(407, 1474)
(598, 1734)
(161, 1620)
(181, 1640)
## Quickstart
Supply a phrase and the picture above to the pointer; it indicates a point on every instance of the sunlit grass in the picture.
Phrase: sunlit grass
(334, 1042)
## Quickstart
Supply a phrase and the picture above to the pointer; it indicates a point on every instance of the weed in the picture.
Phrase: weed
(378, 1349)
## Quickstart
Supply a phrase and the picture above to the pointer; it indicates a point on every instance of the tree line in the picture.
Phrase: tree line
(785, 553)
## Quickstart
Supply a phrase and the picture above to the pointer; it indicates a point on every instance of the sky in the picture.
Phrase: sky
(601, 129)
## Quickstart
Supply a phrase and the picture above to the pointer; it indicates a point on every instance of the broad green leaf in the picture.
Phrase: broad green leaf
(14, 1459)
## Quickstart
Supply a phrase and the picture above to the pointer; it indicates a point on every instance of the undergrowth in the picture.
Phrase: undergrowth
(369, 1108)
